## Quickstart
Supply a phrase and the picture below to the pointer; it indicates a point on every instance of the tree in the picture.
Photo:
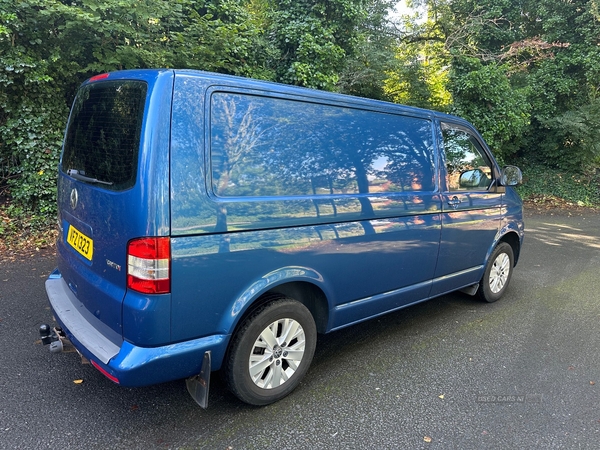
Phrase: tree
(524, 72)
(419, 75)
(313, 38)
(366, 68)
(483, 94)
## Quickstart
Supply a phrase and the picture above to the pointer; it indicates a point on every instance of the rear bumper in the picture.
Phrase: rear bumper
(129, 364)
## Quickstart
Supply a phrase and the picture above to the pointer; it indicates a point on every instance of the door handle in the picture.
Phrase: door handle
(454, 202)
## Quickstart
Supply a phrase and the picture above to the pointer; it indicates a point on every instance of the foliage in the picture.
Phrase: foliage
(484, 95)
(366, 67)
(31, 114)
(573, 138)
(527, 73)
(420, 76)
(542, 183)
(313, 39)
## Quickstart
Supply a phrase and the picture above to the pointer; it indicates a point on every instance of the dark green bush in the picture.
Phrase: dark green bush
(541, 182)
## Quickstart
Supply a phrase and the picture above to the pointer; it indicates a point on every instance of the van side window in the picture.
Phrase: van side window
(467, 165)
(264, 146)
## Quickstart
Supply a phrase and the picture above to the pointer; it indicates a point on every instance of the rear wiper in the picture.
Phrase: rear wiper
(80, 175)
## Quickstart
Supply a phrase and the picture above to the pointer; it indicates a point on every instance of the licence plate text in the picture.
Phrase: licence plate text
(80, 242)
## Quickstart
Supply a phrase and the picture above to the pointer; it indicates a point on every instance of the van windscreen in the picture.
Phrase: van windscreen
(103, 135)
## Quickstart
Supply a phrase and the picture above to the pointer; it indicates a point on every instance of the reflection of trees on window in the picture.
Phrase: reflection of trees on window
(463, 153)
(233, 139)
(187, 155)
(404, 160)
(268, 147)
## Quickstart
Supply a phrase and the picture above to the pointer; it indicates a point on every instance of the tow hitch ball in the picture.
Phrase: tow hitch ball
(52, 337)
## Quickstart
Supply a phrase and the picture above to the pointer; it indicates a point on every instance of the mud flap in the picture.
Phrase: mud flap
(471, 290)
(198, 385)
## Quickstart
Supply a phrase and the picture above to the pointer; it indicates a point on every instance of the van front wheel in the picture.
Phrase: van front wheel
(271, 352)
(497, 273)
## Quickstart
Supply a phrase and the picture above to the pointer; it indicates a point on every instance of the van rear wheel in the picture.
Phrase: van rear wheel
(497, 273)
(271, 352)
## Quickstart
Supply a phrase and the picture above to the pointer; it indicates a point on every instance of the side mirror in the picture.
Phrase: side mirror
(511, 176)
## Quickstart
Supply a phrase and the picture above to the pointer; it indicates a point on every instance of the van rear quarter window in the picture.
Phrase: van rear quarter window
(274, 147)
(103, 137)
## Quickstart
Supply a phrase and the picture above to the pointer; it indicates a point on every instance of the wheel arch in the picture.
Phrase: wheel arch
(301, 284)
(304, 292)
(512, 239)
(310, 296)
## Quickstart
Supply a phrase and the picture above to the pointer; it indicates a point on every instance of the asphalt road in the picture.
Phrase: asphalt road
(451, 373)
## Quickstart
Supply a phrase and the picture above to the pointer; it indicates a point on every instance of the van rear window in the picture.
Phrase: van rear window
(103, 135)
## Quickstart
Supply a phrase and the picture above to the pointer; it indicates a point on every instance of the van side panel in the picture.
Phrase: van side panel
(154, 158)
(270, 187)
(213, 283)
(244, 159)
(190, 204)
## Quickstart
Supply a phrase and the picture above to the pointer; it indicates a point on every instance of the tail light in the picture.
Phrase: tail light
(149, 265)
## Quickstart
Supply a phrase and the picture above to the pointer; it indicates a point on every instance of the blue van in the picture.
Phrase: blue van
(210, 222)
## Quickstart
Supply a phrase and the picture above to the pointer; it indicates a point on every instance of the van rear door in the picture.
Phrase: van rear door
(105, 191)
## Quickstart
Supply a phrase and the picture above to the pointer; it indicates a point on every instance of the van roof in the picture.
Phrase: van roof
(252, 83)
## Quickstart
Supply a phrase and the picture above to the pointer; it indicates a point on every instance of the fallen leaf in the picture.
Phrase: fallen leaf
(77, 381)
(427, 439)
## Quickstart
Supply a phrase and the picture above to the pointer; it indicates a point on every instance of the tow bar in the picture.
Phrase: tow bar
(197, 386)
(56, 338)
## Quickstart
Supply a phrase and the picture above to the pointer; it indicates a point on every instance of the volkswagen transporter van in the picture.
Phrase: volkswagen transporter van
(210, 222)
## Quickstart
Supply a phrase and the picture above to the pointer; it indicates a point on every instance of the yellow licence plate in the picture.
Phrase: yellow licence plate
(80, 242)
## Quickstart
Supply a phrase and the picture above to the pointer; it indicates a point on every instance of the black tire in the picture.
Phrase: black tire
(498, 272)
(277, 369)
